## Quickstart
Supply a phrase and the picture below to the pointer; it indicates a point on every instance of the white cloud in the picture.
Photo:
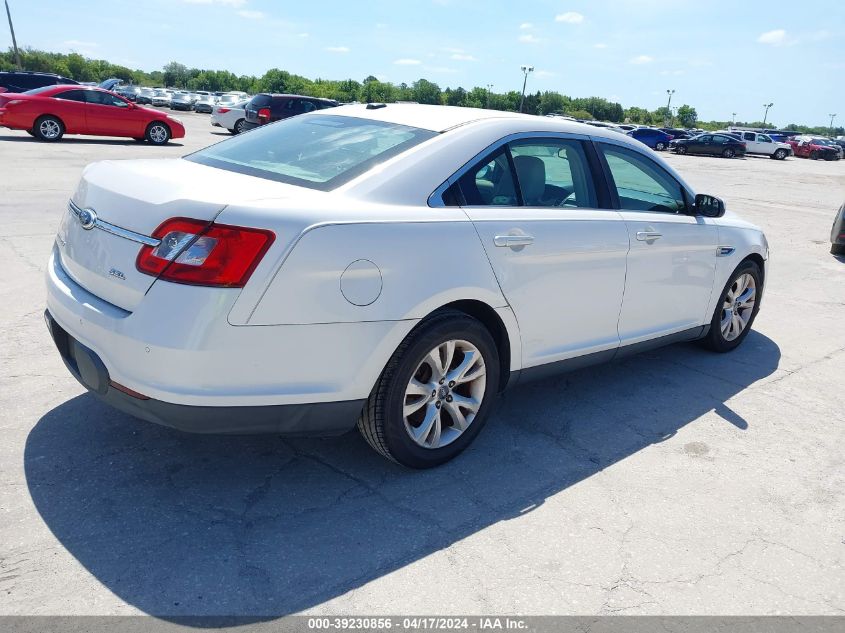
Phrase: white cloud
(600, 45)
(641, 59)
(463, 57)
(226, 3)
(250, 14)
(81, 44)
(528, 39)
(776, 37)
(570, 17)
(526, 25)
(405, 61)
(337, 49)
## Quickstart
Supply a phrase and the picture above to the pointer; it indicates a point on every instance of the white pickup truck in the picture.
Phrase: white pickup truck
(756, 143)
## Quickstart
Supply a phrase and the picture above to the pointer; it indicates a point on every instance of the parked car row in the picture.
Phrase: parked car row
(197, 101)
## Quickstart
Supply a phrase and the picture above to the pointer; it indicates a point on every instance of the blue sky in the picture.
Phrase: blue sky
(719, 56)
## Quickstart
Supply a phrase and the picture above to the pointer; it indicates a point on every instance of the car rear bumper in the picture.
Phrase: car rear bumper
(191, 369)
(322, 418)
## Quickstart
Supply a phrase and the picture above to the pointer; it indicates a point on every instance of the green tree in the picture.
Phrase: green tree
(176, 74)
(687, 116)
(425, 91)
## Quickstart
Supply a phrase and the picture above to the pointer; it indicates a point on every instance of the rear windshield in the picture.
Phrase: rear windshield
(317, 151)
(36, 91)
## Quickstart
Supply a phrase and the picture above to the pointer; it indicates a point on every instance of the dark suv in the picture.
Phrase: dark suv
(23, 80)
(266, 108)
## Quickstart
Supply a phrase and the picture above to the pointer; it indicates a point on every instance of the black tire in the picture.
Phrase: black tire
(382, 422)
(837, 249)
(814, 155)
(779, 154)
(157, 133)
(239, 127)
(714, 339)
(728, 153)
(681, 149)
(48, 128)
(30, 132)
(660, 146)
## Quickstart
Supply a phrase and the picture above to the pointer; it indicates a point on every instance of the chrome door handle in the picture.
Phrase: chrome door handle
(648, 236)
(512, 241)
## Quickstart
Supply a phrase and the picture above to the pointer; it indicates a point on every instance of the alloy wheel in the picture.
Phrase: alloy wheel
(444, 394)
(738, 306)
(50, 129)
(158, 134)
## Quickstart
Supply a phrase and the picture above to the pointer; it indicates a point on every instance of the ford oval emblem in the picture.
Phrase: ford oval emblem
(87, 218)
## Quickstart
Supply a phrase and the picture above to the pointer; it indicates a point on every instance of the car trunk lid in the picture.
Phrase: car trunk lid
(119, 204)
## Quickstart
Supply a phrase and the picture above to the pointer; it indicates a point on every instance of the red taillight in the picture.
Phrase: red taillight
(264, 113)
(222, 110)
(204, 254)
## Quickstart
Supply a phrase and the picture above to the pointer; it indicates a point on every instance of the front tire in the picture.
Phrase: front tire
(814, 155)
(48, 128)
(737, 308)
(157, 133)
(660, 146)
(779, 155)
(435, 394)
(682, 149)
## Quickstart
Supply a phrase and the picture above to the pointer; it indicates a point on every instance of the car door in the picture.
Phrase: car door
(672, 260)
(559, 258)
(701, 145)
(751, 144)
(109, 115)
(73, 111)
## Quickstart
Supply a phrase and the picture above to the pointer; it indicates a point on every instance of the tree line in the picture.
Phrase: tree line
(371, 89)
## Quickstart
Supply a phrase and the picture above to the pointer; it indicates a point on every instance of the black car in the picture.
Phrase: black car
(675, 132)
(183, 101)
(837, 233)
(710, 145)
(266, 108)
(23, 80)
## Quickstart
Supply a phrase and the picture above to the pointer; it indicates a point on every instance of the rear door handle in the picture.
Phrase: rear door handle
(648, 236)
(512, 241)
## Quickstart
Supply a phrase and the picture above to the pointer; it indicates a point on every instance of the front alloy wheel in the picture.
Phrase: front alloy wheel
(737, 309)
(435, 393)
(660, 147)
(158, 133)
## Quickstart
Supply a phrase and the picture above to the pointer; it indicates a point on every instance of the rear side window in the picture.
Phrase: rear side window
(642, 184)
(553, 173)
(490, 183)
(72, 95)
(320, 151)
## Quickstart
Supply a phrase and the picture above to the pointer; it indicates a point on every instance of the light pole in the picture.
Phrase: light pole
(14, 41)
(668, 108)
(525, 69)
(766, 113)
(832, 116)
(733, 119)
(489, 89)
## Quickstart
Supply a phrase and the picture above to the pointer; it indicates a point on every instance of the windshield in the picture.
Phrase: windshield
(316, 151)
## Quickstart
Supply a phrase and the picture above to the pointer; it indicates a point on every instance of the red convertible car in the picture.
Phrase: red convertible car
(813, 148)
(51, 112)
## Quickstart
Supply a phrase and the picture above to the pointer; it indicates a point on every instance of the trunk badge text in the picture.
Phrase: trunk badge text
(114, 272)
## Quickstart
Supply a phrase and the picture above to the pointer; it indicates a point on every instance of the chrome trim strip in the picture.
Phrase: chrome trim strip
(113, 229)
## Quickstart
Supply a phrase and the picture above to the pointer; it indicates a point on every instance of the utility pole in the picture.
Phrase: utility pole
(832, 116)
(766, 113)
(526, 70)
(733, 119)
(14, 41)
(668, 108)
(489, 88)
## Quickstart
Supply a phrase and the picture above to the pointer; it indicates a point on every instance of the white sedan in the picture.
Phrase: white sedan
(229, 115)
(398, 265)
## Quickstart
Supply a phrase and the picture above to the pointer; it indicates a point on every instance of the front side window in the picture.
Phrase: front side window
(320, 152)
(642, 184)
(705, 138)
(104, 98)
(718, 139)
(764, 138)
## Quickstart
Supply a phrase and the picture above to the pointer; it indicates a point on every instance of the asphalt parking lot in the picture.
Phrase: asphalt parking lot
(674, 482)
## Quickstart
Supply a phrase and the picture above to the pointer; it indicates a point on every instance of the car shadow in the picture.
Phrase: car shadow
(86, 141)
(192, 525)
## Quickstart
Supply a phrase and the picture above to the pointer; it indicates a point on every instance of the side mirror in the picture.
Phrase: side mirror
(709, 206)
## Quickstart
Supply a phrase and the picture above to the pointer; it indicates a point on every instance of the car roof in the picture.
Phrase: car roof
(438, 118)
